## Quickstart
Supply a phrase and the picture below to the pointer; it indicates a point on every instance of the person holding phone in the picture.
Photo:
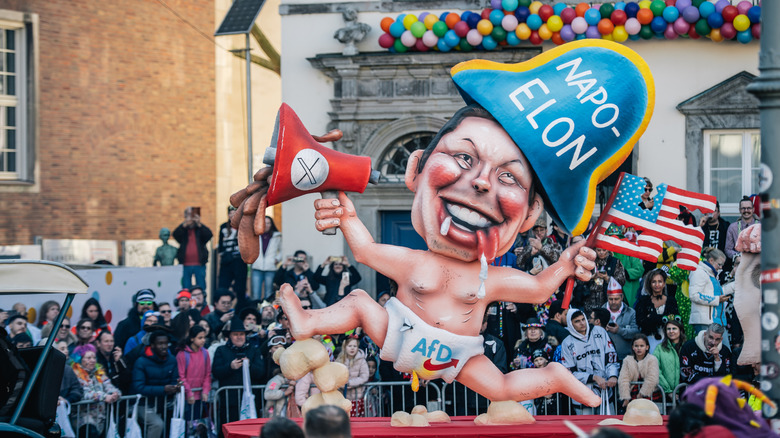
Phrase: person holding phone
(192, 237)
(294, 269)
(339, 280)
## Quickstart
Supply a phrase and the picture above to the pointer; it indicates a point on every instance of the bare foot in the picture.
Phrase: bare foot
(569, 385)
(299, 318)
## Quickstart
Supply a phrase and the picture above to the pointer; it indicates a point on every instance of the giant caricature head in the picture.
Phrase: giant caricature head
(474, 188)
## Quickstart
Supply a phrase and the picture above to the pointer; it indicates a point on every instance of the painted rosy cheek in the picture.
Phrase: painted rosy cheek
(443, 170)
(513, 202)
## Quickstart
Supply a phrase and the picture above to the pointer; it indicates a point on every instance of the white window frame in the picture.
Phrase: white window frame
(17, 101)
(730, 208)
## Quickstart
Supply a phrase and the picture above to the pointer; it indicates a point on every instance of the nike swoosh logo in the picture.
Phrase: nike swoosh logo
(430, 366)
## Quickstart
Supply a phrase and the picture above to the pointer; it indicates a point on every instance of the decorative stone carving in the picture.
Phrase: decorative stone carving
(352, 33)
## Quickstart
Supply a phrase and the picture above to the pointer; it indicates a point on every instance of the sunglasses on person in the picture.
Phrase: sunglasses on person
(146, 303)
(165, 311)
(65, 326)
(85, 327)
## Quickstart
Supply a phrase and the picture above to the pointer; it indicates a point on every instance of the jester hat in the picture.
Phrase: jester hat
(575, 111)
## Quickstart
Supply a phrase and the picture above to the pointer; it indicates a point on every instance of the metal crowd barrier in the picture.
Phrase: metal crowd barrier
(381, 399)
(460, 400)
(81, 411)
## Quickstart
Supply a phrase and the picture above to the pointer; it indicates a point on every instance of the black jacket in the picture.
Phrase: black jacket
(332, 282)
(227, 376)
(202, 235)
(127, 328)
(648, 320)
(554, 328)
(120, 374)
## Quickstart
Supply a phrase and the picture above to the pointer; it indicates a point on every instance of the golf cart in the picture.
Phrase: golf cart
(31, 377)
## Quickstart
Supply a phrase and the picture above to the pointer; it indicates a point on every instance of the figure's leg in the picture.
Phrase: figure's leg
(357, 309)
(482, 376)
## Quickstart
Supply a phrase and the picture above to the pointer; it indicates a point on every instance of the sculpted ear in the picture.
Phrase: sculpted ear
(410, 178)
(537, 207)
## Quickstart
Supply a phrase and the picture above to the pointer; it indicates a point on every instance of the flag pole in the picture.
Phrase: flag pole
(591, 242)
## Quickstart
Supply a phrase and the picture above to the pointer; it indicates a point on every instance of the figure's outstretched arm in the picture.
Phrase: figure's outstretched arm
(506, 284)
(392, 261)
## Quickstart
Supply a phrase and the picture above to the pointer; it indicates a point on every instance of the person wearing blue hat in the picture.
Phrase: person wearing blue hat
(143, 301)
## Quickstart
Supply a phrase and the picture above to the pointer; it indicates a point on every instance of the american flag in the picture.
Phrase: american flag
(657, 225)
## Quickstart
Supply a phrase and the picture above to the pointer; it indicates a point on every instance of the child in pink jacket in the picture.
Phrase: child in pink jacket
(195, 371)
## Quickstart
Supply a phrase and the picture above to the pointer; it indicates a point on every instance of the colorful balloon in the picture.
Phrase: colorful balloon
(509, 23)
(631, 9)
(567, 33)
(523, 31)
(451, 38)
(535, 6)
(645, 16)
(716, 36)
(474, 37)
(534, 21)
(618, 17)
(496, 4)
(386, 41)
(522, 13)
(606, 10)
(512, 39)
(706, 9)
(670, 14)
(727, 31)
(555, 23)
(720, 5)
(691, 14)
(559, 7)
(593, 32)
(745, 36)
(461, 28)
(715, 20)
(581, 9)
(657, 7)
(496, 16)
(399, 47)
(420, 46)
(509, 5)
(754, 14)
(605, 26)
(430, 39)
(669, 32)
(397, 29)
(439, 28)
(729, 13)
(498, 34)
(545, 12)
(681, 26)
(452, 19)
(579, 25)
(430, 20)
(592, 16)
(742, 23)
(385, 24)
(658, 24)
(407, 39)
(417, 29)
(744, 6)
(442, 46)
(489, 43)
(756, 30)
(409, 20)
(633, 26)
(544, 32)
(568, 15)
(620, 34)
(702, 28)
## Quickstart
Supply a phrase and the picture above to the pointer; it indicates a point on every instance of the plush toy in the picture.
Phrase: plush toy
(539, 134)
(721, 400)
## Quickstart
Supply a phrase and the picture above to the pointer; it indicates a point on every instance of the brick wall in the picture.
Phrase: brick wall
(127, 120)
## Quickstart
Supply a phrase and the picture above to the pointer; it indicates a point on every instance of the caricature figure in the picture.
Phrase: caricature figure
(475, 188)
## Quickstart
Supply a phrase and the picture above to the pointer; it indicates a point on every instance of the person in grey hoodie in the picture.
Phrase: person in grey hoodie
(589, 354)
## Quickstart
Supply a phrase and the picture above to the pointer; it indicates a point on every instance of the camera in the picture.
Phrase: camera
(299, 259)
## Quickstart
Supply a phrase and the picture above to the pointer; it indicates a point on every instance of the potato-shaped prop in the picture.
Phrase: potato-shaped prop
(505, 412)
(302, 357)
(331, 376)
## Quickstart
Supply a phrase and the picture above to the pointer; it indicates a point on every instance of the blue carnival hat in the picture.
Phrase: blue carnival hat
(575, 111)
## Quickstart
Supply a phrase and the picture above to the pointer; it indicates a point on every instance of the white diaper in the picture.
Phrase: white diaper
(412, 344)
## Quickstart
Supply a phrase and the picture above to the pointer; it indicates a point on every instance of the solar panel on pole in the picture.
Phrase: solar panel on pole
(240, 17)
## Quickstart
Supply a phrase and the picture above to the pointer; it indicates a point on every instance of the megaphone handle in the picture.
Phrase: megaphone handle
(330, 194)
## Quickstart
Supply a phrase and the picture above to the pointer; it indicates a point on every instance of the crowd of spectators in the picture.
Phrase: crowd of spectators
(628, 324)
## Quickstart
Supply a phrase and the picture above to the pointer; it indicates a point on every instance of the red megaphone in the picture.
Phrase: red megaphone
(302, 165)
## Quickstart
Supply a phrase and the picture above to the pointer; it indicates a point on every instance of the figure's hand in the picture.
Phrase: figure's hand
(612, 382)
(170, 389)
(612, 328)
(117, 354)
(330, 212)
(584, 260)
(749, 239)
(345, 261)
(249, 218)
(190, 400)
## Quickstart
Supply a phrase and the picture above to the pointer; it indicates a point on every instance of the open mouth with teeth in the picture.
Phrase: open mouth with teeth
(469, 228)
